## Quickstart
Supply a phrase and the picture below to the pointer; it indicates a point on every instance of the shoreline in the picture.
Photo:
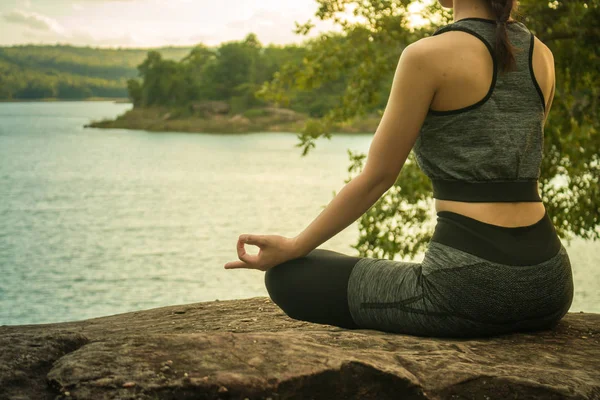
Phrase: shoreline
(56, 99)
(164, 120)
(160, 119)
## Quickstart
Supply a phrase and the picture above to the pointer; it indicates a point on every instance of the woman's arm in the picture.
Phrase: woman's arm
(412, 90)
(350, 203)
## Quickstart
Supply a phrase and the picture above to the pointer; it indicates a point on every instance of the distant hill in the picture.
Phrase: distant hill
(63, 71)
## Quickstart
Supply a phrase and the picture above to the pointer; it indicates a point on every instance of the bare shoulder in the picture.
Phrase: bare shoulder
(545, 51)
(418, 51)
(430, 47)
(444, 51)
(448, 41)
(448, 44)
(418, 60)
(430, 50)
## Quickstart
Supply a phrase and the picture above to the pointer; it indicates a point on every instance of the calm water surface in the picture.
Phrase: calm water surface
(99, 222)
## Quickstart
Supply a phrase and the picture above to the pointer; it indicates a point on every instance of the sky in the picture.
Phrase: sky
(154, 23)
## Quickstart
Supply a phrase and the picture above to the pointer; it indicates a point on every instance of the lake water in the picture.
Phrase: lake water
(98, 222)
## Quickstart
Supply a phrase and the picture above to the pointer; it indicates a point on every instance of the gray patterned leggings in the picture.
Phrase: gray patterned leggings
(475, 280)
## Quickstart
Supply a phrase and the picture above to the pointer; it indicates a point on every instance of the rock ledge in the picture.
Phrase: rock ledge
(249, 349)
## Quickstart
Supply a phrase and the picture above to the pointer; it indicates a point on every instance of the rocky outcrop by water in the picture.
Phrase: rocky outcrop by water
(249, 349)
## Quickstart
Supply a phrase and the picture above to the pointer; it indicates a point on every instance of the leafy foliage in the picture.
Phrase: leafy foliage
(365, 55)
(232, 72)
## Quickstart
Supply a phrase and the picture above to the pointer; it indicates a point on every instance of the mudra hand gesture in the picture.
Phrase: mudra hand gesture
(274, 250)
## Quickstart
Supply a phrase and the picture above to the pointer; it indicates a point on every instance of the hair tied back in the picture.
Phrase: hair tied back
(503, 49)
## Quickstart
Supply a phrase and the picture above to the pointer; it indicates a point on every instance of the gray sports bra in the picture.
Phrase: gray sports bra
(490, 151)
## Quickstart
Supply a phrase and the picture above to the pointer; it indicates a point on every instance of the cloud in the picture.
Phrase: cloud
(33, 20)
(275, 26)
(148, 23)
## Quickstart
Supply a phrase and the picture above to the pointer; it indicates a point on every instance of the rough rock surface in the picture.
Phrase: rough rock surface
(250, 349)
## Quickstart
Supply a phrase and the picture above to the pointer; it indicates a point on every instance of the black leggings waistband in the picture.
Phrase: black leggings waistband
(523, 245)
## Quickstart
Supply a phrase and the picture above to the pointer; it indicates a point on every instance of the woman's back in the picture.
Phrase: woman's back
(474, 116)
(464, 71)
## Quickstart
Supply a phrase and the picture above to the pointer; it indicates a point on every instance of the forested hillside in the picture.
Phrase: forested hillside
(69, 72)
(172, 77)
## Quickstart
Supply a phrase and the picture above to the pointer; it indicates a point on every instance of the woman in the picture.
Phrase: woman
(471, 101)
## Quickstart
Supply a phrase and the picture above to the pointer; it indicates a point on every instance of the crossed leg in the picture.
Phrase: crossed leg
(314, 288)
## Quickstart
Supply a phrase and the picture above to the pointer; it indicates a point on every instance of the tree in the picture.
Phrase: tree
(232, 72)
(164, 81)
(196, 66)
(134, 88)
(367, 51)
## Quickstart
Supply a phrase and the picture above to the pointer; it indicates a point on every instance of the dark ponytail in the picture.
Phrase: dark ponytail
(504, 50)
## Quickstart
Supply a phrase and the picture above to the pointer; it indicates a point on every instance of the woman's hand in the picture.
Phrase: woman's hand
(274, 250)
